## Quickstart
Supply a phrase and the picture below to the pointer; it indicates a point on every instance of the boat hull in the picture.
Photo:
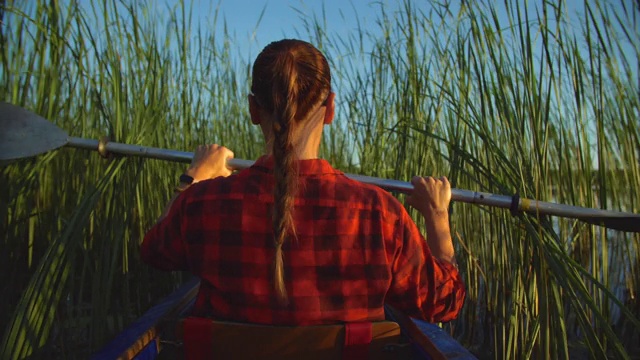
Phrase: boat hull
(151, 335)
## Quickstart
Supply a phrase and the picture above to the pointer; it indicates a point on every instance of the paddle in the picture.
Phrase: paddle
(24, 134)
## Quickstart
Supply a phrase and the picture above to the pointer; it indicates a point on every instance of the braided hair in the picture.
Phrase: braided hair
(289, 79)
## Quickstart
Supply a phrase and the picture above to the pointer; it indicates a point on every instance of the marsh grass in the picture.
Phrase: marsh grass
(521, 100)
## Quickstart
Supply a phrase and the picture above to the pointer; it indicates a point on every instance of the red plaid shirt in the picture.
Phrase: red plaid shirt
(356, 249)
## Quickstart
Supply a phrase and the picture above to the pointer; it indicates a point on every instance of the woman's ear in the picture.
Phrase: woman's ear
(331, 108)
(254, 110)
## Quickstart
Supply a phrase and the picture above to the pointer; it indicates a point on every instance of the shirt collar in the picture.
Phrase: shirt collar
(305, 167)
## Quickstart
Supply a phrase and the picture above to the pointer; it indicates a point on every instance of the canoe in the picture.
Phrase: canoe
(156, 334)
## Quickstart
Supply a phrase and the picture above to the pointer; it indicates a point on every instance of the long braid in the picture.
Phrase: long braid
(285, 169)
(290, 78)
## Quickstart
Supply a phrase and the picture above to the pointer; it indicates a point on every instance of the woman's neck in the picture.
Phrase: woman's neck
(304, 150)
(307, 138)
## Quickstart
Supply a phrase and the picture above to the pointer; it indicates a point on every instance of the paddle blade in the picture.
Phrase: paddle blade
(24, 134)
(630, 223)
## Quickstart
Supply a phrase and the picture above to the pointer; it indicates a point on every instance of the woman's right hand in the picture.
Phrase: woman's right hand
(430, 196)
(209, 162)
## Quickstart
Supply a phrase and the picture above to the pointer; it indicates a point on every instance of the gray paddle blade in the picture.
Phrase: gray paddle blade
(24, 134)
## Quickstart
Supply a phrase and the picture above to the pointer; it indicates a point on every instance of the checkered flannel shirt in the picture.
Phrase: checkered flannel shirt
(356, 248)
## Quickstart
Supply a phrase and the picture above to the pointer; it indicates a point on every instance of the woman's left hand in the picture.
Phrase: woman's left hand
(209, 161)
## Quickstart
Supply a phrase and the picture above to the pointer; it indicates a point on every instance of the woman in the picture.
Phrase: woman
(292, 240)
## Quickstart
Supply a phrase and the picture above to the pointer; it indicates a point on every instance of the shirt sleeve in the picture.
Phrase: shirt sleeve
(422, 286)
(163, 246)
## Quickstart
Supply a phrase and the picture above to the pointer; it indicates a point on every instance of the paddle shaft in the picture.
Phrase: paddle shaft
(467, 196)
(25, 134)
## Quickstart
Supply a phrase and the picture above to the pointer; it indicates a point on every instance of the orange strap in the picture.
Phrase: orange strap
(357, 337)
(197, 338)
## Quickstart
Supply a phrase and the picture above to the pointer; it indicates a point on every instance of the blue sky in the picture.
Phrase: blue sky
(283, 18)
(255, 23)
(252, 24)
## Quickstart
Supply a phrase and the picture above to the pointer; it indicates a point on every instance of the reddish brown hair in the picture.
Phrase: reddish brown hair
(290, 78)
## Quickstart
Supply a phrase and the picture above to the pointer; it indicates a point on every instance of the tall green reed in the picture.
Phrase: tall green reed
(505, 101)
